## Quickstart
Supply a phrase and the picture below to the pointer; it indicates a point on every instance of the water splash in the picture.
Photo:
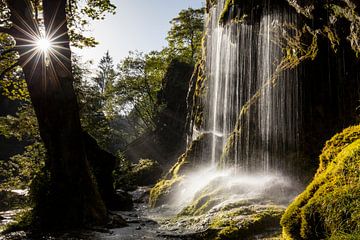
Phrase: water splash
(229, 186)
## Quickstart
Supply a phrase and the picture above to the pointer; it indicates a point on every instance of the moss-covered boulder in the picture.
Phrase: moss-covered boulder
(251, 222)
(146, 172)
(241, 219)
(330, 205)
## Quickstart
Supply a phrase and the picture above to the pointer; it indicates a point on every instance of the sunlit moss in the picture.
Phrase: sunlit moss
(232, 226)
(158, 194)
(330, 204)
(146, 172)
(336, 144)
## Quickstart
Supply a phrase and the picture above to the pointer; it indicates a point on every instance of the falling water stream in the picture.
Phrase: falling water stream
(241, 58)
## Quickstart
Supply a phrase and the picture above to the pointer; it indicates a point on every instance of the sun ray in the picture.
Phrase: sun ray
(55, 55)
(29, 31)
(53, 32)
(43, 48)
(28, 59)
(36, 62)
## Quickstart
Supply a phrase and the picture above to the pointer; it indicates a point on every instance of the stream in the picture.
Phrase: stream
(139, 226)
(142, 223)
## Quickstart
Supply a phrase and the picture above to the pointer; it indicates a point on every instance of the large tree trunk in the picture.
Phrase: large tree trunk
(73, 196)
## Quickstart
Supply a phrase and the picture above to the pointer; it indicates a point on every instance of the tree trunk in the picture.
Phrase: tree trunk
(74, 199)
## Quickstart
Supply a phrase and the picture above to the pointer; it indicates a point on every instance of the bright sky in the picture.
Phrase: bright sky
(137, 25)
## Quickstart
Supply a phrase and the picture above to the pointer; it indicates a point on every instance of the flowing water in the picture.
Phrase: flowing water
(241, 58)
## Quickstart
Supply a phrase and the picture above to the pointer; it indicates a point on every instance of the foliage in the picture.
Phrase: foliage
(185, 35)
(19, 170)
(314, 214)
(125, 100)
(80, 14)
(97, 112)
(12, 82)
(22, 126)
(336, 144)
(121, 174)
(140, 78)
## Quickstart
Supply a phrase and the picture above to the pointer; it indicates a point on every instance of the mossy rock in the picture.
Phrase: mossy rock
(336, 144)
(247, 222)
(204, 200)
(166, 188)
(330, 205)
(161, 193)
(146, 172)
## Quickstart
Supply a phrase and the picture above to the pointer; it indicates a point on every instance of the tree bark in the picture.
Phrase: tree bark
(74, 199)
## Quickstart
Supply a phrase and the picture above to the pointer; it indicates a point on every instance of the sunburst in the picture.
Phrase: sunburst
(42, 47)
(44, 44)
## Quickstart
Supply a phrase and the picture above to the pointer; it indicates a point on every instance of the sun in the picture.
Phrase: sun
(43, 44)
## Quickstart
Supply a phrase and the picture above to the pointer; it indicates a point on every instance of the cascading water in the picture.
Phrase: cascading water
(241, 59)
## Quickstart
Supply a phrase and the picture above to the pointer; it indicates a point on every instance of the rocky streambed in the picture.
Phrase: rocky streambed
(251, 218)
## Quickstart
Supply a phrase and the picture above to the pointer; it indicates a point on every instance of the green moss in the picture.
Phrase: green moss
(159, 193)
(336, 144)
(346, 236)
(233, 224)
(146, 172)
(330, 204)
(226, 10)
(200, 206)
(199, 93)
(228, 233)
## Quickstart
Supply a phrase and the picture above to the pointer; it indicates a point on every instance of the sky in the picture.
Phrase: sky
(137, 25)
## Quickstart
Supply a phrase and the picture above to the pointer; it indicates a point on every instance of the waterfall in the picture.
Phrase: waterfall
(240, 59)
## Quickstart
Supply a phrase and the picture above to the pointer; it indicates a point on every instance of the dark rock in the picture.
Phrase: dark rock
(103, 164)
(122, 201)
(116, 221)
